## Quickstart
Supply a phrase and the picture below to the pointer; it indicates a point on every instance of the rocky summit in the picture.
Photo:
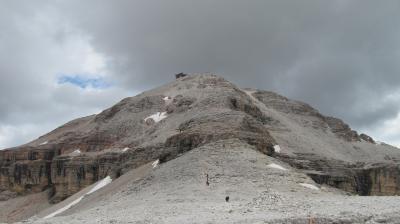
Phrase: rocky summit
(202, 150)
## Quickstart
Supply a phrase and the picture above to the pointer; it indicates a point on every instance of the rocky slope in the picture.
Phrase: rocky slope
(188, 113)
(261, 189)
(329, 150)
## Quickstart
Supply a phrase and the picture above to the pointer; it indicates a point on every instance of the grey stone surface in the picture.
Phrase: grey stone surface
(176, 192)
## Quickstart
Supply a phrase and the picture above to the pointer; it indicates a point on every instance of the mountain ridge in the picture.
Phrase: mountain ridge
(193, 111)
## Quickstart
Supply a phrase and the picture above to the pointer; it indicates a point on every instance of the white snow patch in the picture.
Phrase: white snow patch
(277, 148)
(76, 152)
(125, 149)
(166, 98)
(157, 117)
(276, 166)
(155, 163)
(100, 184)
(310, 186)
(44, 143)
(65, 208)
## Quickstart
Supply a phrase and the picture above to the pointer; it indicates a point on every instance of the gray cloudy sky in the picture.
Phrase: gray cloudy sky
(64, 59)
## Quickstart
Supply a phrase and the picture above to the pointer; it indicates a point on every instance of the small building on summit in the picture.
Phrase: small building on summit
(180, 75)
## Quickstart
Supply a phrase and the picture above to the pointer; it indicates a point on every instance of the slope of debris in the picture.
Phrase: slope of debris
(226, 181)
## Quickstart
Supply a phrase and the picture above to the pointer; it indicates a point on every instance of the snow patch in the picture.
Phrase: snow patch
(310, 186)
(44, 143)
(166, 98)
(277, 148)
(125, 149)
(155, 163)
(157, 117)
(65, 208)
(100, 184)
(76, 152)
(276, 166)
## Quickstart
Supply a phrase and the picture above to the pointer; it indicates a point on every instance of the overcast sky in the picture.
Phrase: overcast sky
(60, 60)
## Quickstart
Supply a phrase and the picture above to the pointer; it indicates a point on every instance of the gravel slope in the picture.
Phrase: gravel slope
(23, 207)
(176, 192)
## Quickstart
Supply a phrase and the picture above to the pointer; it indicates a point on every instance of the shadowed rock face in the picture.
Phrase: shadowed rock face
(199, 109)
(341, 129)
(379, 181)
(228, 125)
(26, 170)
(367, 138)
(296, 108)
(383, 180)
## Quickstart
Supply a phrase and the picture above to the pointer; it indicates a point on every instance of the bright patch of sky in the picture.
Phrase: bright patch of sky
(83, 81)
(389, 129)
(388, 132)
(10, 134)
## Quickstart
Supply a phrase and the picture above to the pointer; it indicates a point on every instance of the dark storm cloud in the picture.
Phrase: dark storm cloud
(340, 56)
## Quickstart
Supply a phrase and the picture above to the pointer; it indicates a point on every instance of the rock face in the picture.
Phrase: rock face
(25, 170)
(367, 138)
(342, 129)
(383, 180)
(351, 162)
(198, 109)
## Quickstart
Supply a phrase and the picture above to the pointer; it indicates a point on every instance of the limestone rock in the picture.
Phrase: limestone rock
(367, 138)
(6, 195)
(341, 129)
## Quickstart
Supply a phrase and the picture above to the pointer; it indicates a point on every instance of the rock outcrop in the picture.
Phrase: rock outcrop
(342, 129)
(367, 138)
(26, 170)
(351, 162)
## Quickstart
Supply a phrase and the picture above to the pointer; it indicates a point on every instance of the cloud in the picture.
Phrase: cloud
(388, 131)
(340, 56)
(37, 44)
(316, 51)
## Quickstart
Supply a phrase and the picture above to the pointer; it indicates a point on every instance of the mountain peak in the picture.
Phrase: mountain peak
(199, 111)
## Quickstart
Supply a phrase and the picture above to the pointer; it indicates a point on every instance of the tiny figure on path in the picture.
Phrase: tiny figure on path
(227, 198)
